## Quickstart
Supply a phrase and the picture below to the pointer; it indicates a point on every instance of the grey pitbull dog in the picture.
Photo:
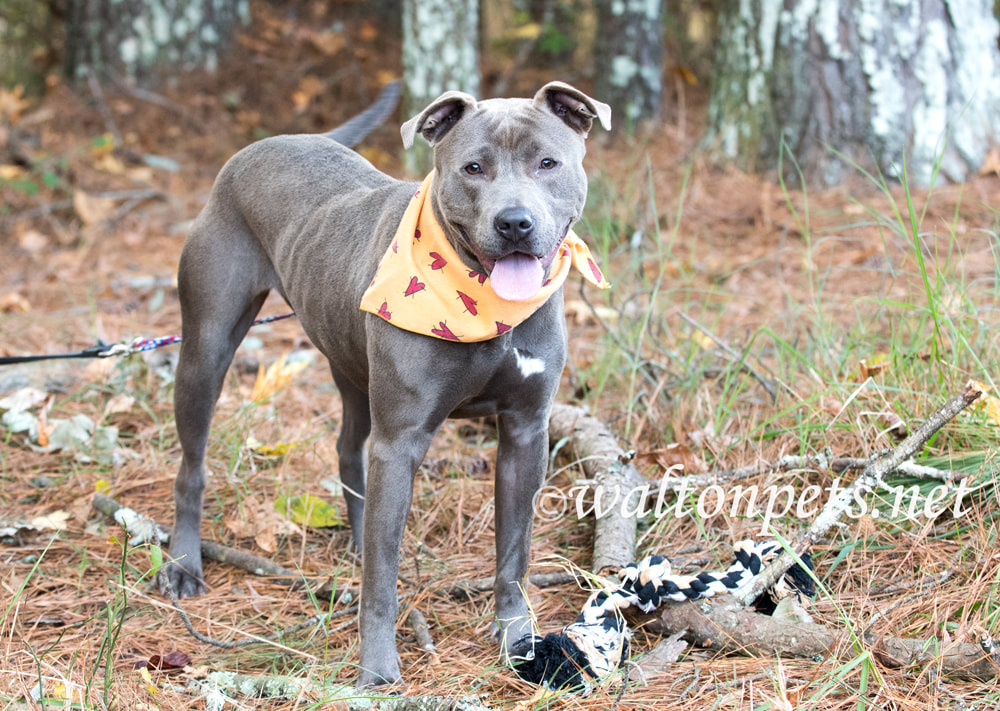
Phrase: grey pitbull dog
(310, 218)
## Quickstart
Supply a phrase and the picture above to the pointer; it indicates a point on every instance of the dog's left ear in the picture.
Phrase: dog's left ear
(438, 118)
(574, 107)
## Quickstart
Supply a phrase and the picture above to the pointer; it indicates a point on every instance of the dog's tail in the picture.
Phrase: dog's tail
(354, 130)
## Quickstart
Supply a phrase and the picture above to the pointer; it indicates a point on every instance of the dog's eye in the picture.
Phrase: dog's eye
(473, 169)
(547, 164)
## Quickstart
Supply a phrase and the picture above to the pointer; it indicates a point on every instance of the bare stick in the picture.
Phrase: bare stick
(872, 476)
(726, 627)
(737, 358)
(422, 633)
(592, 443)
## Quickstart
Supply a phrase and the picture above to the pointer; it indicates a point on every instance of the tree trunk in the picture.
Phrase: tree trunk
(440, 53)
(880, 81)
(135, 38)
(629, 46)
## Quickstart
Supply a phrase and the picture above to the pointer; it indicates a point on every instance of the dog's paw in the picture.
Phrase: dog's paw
(181, 581)
(386, 677)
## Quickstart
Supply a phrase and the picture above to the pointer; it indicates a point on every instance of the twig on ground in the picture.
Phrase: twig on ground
(737, 358)
(421, 631)
(870, 477)
(936, 580)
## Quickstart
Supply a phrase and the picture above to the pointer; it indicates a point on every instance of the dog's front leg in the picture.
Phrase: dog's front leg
(522, 455)
(393, 457)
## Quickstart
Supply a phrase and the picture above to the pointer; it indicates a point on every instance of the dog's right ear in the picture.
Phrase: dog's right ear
(438, 118)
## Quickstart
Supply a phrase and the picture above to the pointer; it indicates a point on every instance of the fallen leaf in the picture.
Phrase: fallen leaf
(270, 450)
(671, 456)
(33, 241)
(991, 163)
(92, 209)
(12, 102)
(308, 510)
(328, 42)
(262, 523)
(873, 366)
(276, 377)
(102, 486)
(10, 171)
(988, 403)
(580, 313)
(14, 303)
(527, 31)
(119, 404)
(55, 521)
(146, 677)
(22, 399)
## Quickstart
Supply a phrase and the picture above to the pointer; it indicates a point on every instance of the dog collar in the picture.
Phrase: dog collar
(422, 285)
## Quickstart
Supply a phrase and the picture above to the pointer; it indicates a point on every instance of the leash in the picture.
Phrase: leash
(105, 350)
(598, 642)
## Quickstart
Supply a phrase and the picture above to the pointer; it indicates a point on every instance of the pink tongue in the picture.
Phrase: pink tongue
(517, 277)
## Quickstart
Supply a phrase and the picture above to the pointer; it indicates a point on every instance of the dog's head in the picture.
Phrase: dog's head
(509, 179)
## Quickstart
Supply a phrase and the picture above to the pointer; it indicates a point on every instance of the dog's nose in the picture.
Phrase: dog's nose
(514, 223)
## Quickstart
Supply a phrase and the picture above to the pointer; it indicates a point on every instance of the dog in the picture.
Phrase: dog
(312, 219)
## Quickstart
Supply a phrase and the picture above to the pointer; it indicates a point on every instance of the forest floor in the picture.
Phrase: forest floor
(862, 315)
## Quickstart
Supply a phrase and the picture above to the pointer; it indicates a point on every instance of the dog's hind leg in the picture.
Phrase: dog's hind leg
(221, 290)
(355, 426)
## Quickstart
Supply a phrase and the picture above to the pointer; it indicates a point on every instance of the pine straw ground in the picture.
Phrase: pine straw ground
(805, 286)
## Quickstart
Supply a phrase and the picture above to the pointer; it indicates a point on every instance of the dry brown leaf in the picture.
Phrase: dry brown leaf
(9, 171)
(368, 31)
(329, 43)
(32, 241)
(991, 163)
(91, 209)
(14, 303)
(109, 164)
(118, 404)
(262, 523)
(580, 313)
(671, 456)
(275, 377)
(12, 102)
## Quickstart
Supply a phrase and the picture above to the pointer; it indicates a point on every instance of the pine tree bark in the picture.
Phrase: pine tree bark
(629, 46)
(440, 53)
(137, 38)
(879, 81)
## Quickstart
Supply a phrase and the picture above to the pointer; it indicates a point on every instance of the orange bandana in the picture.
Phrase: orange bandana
(422, 285)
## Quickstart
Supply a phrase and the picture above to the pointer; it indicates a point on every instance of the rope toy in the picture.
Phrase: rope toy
(598, 642)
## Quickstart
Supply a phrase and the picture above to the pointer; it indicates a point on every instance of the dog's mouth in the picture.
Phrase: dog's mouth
(515, 276)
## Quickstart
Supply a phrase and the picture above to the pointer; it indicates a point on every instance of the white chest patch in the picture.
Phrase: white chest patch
(528, 365)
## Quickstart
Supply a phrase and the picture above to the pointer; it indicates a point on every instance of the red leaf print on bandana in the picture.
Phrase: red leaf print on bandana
(438, 262)
(383, 311)
(502, 328)
(468, 302)
(442, 331)
(395, 246)
(596, 270)
(481, 276)
(414, 287)
(416, 234)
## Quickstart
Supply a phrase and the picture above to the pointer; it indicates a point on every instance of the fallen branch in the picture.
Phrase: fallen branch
(422, 633)
(872, 476)
(596, 448)
(725, 626)
(264, 686)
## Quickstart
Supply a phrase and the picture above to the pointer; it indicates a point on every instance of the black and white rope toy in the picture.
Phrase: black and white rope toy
(598, 642)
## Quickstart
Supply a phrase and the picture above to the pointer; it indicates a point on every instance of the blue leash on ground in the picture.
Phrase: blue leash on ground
(105, 350)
